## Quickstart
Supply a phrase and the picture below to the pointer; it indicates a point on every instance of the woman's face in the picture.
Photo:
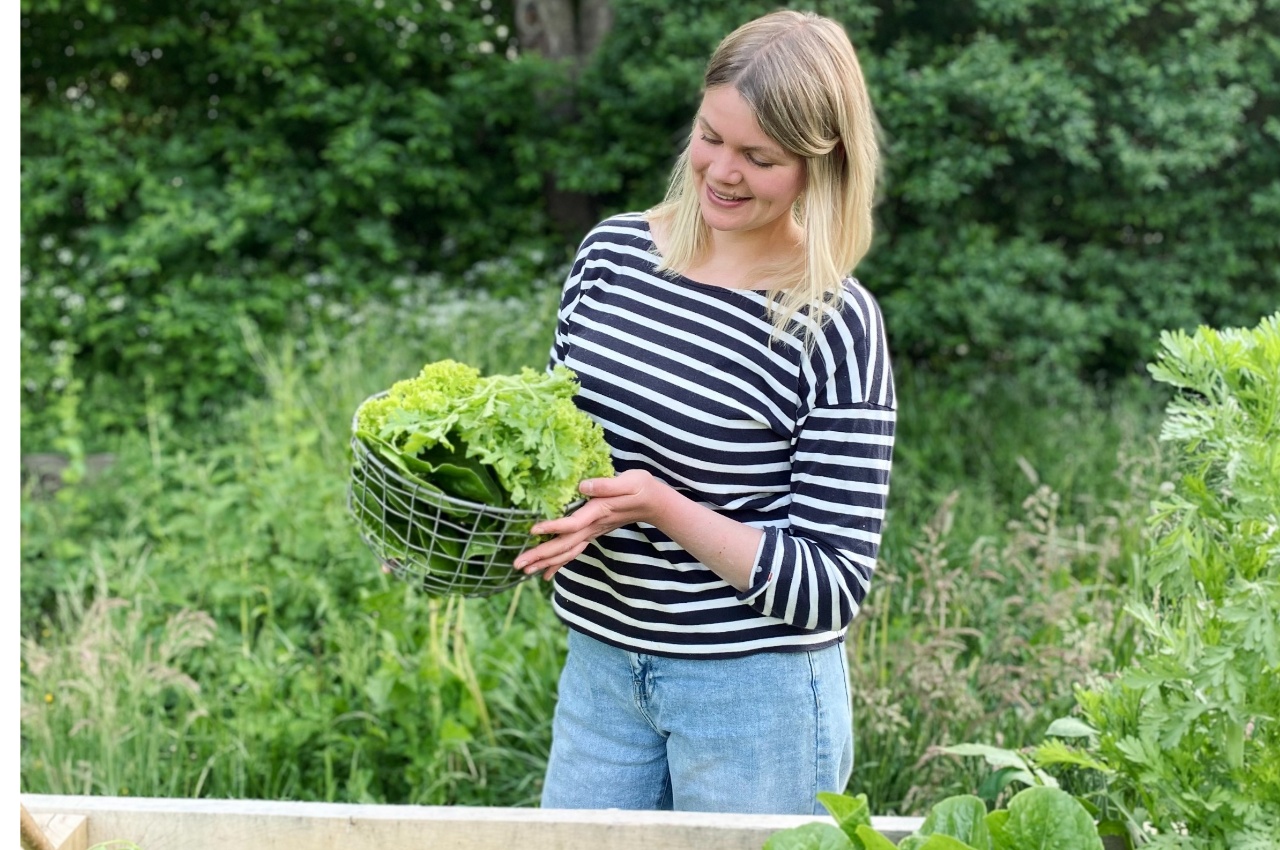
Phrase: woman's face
(746, 182)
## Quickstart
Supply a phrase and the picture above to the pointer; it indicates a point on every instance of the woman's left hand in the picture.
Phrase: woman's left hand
(611, 503)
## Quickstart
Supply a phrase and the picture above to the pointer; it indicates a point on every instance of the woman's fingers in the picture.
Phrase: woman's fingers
(550, 552)
(551, 556)
(625, 484)
(552, 527)
(576, 521)
(611, 504)
(550, 571)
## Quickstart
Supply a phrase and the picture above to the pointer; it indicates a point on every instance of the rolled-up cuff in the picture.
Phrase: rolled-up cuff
(762, 572)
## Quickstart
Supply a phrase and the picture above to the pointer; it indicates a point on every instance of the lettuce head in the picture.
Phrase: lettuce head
(505, 440)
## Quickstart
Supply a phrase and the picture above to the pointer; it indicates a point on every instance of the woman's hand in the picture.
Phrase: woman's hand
(612, 503)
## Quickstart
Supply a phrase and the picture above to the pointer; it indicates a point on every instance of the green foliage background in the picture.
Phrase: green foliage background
(1064, 177)
(238, 220)
(200, 618)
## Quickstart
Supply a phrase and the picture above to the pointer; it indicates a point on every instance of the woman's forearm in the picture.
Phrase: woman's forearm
(723, 545)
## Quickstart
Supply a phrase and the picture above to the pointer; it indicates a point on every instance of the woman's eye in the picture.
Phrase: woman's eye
(758, 163)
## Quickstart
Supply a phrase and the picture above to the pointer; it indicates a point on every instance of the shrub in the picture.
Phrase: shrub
(1181, 749)
(286, 162)
(1064, 177)
(1192, 730)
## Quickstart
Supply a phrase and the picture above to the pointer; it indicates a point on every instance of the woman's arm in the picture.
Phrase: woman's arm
(723, 545)
(815, 572)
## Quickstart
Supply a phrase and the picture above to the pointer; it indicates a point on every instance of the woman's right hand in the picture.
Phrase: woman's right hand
(632, 496)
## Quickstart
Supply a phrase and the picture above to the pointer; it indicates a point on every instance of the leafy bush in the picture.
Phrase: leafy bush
(283, 161)
(1064, 177)
(1181, 749)
(1191, 732)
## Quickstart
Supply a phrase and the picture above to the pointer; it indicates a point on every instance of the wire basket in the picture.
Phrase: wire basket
(443, 544)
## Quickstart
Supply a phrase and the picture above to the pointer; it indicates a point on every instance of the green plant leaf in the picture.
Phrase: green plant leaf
(962, 817)
(810, 836)
(1234, 744)
(997, 827)
(873, 840)
(938, 841)
(994, 756)
(453, 732)
(468, 482)
(440, 469)
(849, 812)
(996, 781)
(1050, 819)
(1116, 829)
(1024, 770)
(1057, 752)
(1070, 727)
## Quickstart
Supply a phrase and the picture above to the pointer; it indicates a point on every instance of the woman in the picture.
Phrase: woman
(744, 387)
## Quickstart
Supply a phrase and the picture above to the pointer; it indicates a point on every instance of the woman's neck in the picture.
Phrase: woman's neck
(748, 259)
(738, 260)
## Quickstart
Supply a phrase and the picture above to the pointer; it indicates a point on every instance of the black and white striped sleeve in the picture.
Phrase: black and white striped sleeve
(815, 572)
(569, 298)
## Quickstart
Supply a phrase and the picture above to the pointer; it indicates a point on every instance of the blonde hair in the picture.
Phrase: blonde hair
(801, 77)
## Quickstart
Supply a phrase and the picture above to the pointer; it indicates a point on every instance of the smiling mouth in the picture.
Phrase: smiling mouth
(725, 197)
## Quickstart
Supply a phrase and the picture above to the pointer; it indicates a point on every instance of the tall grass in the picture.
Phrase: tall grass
(1015, 514)
(109, 702)
(231, 636)
(322, 679)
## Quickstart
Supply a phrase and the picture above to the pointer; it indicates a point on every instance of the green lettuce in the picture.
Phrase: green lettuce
(514, 441)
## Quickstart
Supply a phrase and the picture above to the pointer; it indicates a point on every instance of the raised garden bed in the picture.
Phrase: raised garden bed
(167, 824)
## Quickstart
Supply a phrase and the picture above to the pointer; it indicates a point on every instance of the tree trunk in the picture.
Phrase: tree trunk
(548, 27)
(595, 19)
(569, 31)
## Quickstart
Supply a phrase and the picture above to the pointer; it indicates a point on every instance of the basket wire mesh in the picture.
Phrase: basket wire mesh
(443, 544)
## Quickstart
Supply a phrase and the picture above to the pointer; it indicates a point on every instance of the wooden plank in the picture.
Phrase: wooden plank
(165, 824)
(33, 837)
(64, 831)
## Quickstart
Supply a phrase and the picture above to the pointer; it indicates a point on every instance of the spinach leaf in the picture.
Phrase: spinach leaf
(1042, 818)
(849, 812)
(810, 836)
(963, 817)
(872, 840)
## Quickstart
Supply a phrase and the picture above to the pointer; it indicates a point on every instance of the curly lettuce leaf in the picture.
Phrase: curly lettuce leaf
(522, 436)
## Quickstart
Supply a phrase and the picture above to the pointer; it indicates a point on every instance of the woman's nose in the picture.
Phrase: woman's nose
(724, 168)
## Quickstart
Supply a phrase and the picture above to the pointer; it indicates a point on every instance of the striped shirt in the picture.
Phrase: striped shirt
(684, 380)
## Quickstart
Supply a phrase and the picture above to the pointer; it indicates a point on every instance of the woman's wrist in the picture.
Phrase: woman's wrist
(720, 543)
(662, 502)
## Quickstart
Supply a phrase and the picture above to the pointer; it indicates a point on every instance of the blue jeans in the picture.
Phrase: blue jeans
(759, 734)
